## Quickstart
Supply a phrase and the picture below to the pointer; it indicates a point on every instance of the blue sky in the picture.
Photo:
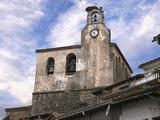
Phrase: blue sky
(27, 25)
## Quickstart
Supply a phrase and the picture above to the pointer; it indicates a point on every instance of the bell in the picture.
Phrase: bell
(72, 65)
(72, 68)
(95, 20)
(95, 16)
(51, 70)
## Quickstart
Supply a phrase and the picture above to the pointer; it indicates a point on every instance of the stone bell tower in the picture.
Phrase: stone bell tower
(96, 48)
(91, 64)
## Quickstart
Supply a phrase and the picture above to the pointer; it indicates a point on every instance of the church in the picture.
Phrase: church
(91, 81)
(95, 63)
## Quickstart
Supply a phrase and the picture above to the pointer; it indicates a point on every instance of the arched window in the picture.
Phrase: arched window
(70, 63)
(50, 66)
(119, 60)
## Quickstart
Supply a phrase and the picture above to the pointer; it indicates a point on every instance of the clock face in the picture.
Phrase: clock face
(94, 33)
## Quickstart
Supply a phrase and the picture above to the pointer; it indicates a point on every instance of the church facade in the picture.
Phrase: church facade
(80, 68)
(73, 79)
(96, 62)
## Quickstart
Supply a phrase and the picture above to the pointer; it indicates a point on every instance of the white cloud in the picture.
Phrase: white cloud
(68, 28)
(18, 14)
(17, 47)
(135, 37)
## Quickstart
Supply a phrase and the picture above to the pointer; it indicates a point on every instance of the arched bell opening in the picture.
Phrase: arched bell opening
(50, 66)
(70, 64)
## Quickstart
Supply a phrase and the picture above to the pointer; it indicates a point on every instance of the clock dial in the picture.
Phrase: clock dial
(94, 33)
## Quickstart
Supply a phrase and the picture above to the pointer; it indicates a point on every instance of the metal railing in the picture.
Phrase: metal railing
(155, 75)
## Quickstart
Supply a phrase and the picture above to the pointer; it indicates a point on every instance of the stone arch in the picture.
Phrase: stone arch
(70, 64)
(50, 65)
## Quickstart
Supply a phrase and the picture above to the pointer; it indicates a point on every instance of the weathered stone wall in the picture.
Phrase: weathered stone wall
(97, 53)
(97, 64)
(120, 68)
(61, 101)
(146, 108)
(59, 80)
(18, 113)
(99, 114)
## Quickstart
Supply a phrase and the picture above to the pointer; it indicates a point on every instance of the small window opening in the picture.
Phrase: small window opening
(50, 66)
(70, 64)
(119, 60)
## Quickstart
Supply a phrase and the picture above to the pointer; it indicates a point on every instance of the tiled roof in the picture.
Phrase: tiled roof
(129, 94)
